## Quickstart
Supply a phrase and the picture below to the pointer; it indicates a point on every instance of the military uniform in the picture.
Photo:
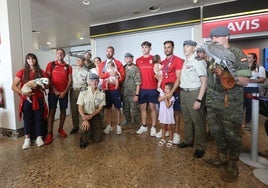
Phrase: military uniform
(225, 106)
(91, 102)
(80, 77)
(132, 79)
(225, 121)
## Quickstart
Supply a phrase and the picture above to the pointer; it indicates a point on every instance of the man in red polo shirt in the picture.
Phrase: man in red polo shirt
(172, 66)
(60, 74)
(113, 93)
(148, 93)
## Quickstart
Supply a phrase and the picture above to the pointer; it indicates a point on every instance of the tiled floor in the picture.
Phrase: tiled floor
(126, 160)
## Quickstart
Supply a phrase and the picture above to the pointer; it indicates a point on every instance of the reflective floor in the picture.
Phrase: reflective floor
(126, 160)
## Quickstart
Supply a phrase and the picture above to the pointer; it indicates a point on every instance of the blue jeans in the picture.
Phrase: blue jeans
(33, 119)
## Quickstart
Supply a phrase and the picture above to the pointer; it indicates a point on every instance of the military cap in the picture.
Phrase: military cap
(93, 76)
(129, 55)
(189, 42)
(200, 50)
(81, 57)
(220, 31)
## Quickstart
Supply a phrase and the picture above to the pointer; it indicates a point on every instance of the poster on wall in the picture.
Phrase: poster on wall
(253, 50)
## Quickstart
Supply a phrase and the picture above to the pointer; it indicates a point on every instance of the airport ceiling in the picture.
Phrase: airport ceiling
(66, 23)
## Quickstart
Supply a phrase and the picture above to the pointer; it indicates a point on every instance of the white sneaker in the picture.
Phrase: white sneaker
(118, 129)
(159, 134)
(153, 131)
(39, 142)
(176, 138)
(108, 129)
(142, 129)
(27, 143)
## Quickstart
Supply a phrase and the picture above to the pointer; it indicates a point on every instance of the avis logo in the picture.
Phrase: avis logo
(244, 25)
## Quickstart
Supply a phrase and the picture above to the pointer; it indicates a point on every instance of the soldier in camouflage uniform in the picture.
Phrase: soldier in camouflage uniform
(131, 89)
(225, 121)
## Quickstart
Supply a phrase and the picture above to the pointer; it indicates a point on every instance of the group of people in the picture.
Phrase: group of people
(189, 86)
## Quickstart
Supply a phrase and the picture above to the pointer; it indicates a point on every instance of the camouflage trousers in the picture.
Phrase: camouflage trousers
(224, 124)
(131, 110)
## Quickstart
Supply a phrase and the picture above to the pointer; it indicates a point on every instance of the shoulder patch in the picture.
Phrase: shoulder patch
(243, 60)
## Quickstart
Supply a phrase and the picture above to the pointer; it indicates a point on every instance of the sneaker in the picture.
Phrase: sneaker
(142, 129)
(62, 133)
(176, 138)
(49, 138)
(27, 143)
(159, 134)
(108, 129)
(39, 142)
(118, 129)
(153, 131)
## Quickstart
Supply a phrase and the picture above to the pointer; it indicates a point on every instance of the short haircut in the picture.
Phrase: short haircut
(170, 85)
(110, 47)
(170, 42)
(146, 43)
(60, 49)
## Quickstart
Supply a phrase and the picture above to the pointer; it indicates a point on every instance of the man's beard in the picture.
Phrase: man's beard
(109, 56)
(168, 53)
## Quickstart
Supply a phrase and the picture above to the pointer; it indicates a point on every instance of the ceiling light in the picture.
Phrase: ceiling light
(48, 43)
(81, 38)
(154, 8)
(85, 2)
(195, 1)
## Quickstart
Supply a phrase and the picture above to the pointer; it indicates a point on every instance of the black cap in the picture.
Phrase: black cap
(189, 42)
(93, 76)
(129, 55)
(220, 31)
(200, 50)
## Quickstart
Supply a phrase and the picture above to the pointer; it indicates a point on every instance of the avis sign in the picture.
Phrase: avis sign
(238, 25)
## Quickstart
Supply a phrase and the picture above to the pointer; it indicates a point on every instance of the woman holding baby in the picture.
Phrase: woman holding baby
(32, 103)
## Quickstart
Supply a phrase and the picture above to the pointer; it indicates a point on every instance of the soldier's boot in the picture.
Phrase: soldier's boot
(230, 172)
(218, 161)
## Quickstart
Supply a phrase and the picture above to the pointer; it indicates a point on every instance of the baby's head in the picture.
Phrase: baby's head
(110, 65)
(156, 59)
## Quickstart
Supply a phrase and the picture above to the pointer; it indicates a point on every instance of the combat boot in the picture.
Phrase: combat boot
(219, 160)
(230, 172)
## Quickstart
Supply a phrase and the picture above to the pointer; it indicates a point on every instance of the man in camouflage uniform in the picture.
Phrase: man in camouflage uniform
(225, 120)
(131, 89)
(89, 64)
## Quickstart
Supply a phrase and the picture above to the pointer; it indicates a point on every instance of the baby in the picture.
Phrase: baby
(158, 70)
(113, 78)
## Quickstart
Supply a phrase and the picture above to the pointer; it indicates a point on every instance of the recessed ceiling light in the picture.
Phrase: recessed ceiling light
(81, 38)
(48, 43)
(85, 2)
(154, 8)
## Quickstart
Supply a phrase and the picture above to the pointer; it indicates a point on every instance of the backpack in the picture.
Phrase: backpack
(53, 64)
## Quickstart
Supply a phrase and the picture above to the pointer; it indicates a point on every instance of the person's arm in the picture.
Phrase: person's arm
(17, 82)
(137, 91)
(201, 93)
(69, 84)
(176, 83)
(168, 102)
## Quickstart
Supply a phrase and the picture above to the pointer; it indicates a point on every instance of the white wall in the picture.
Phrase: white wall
(16, 42)
(132, 42)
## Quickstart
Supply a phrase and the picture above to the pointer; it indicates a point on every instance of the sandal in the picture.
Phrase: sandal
(169, 144)
(161, 142)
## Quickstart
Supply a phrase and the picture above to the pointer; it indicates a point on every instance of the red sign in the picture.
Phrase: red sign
(238, 25)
